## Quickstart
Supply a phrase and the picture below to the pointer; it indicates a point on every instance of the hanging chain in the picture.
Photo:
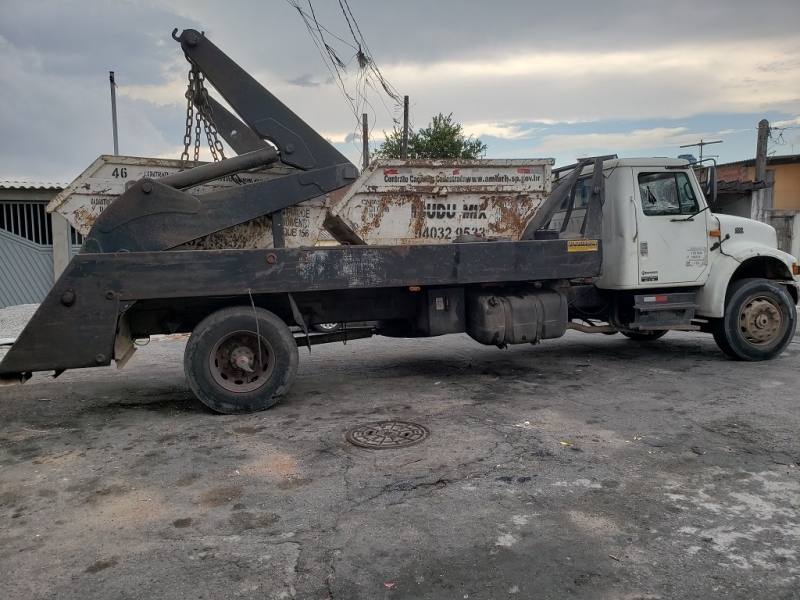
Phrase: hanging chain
(208, 117)
(203, 120)
(198, 120)
(187, 138)
(211, 146)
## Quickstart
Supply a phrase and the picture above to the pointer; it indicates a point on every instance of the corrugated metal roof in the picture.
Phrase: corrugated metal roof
(30, 185)
(783, 159)
(740, 187)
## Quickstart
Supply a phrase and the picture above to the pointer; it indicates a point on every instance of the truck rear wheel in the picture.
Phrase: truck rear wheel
(759, 322)
(231, 370)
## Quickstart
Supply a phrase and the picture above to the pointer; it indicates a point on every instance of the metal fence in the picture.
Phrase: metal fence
(26, 252)
(28, 220)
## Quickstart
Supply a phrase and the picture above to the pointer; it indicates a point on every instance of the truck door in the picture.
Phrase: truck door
(672, 243)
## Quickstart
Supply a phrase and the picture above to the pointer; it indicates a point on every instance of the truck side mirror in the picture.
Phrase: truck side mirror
(711, 185)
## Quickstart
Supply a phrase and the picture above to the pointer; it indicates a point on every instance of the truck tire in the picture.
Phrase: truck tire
(759, 321)
(327, 327)
(644, 337)
(222, 361)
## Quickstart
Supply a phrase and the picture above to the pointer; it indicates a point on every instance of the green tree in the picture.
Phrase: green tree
(441, 139)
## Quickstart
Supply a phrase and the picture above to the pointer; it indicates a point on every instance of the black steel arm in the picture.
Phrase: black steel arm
(299, 145)
(238, 136)
(564, 189)
(593, 220)
(211, 171)
(553, 202)
(152, 216)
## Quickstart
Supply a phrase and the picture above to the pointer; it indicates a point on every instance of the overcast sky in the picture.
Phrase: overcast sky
(560, 79)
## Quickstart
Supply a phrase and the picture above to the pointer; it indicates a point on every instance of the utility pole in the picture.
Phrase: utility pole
(761, 150)
(763, 200)
(365, 139)
(404, 146)
(114, 111)
(701, 143)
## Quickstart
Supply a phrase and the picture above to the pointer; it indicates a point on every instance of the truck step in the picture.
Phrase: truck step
(659, 312)
(665, 306)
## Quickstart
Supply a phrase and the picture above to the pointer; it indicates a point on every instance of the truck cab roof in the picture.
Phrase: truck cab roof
(645, 162)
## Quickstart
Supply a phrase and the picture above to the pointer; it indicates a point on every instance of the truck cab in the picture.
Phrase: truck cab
(661, 240)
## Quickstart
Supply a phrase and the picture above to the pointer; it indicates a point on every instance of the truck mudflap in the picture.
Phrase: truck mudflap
(76, 325)
(662, 312)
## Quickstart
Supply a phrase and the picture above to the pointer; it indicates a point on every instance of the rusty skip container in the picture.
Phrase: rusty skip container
(398, 202)
(393, 202)
(82, 201)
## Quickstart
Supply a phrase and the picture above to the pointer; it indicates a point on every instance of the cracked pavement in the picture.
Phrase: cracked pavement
(585, 467)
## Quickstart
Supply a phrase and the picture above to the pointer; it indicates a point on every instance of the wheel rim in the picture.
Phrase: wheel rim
(327, 326)
(761, 321)
(234, 354)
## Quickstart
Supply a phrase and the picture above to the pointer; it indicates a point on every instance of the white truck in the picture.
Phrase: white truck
(508, 252)
(663, 249)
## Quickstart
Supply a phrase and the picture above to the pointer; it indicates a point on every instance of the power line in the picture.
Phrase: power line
(368, 78)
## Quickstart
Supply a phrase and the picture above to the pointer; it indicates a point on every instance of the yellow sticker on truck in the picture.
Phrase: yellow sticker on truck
(583, 246)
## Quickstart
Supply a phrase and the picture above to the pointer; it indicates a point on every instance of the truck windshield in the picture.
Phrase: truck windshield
(666, 194)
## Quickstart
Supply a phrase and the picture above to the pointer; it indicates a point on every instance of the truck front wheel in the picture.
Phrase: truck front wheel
(233, 369)
(759, 322)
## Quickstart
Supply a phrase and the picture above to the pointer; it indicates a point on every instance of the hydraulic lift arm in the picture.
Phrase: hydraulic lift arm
(239, 136)
(300, 145)
(154, 215)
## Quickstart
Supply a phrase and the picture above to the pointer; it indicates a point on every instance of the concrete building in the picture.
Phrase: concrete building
(783, 172)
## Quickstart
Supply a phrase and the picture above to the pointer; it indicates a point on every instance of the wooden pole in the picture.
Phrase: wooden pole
(404, 147)
(761, 150)
(365, 139)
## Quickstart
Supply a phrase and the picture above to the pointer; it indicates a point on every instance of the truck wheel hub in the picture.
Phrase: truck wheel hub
(234, 362)
(242, 358)
(760, 321)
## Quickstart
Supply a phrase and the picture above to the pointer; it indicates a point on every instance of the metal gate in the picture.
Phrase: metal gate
(783, 225)
(26, 253)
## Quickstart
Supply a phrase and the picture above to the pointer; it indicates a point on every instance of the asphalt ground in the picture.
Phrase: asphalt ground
(586, 467)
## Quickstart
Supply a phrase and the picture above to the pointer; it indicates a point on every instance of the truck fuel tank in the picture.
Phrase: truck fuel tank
(522, 318)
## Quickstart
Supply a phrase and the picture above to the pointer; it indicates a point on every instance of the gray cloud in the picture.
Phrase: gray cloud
(55, 57)
(306, 80)
(74, 41)
(420, 30)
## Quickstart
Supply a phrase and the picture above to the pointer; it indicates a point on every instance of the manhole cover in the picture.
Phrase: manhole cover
(387, 434)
